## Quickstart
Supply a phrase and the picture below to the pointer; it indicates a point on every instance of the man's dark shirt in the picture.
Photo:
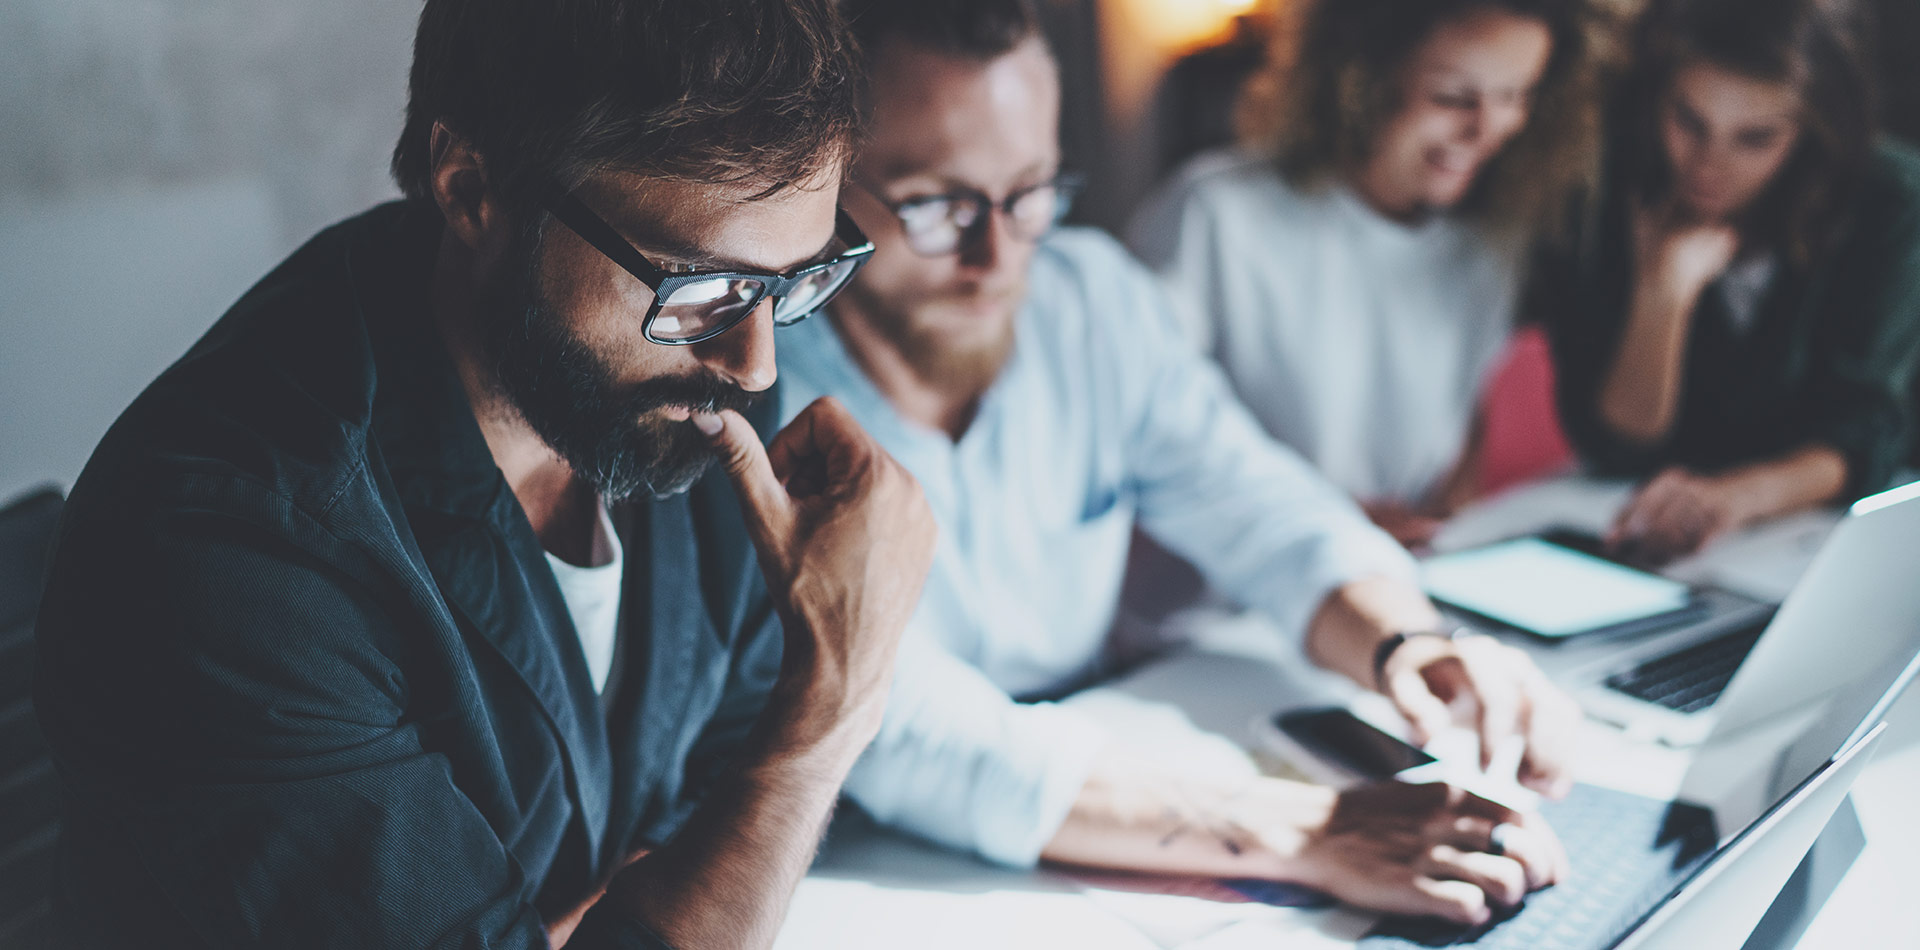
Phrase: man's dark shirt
(306, 674)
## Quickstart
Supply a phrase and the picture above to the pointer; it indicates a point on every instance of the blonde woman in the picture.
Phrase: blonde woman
(1356, 271)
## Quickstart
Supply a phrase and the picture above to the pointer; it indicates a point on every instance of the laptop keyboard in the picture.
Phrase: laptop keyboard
(1692, 679)
(1627, 852)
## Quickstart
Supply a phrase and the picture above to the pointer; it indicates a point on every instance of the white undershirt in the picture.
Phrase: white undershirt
(592, 594)
(1744, 289)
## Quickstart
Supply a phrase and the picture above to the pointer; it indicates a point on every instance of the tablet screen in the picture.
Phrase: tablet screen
(1547, 589)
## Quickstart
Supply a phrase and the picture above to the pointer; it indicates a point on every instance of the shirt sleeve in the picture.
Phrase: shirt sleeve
(1177, 234)
(1858, 357)
(959, 762)
(1864, 358)
(1257, 519)
(240, 768)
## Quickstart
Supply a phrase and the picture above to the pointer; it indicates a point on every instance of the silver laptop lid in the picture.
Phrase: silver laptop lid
(1720, 906)
(1841, 649)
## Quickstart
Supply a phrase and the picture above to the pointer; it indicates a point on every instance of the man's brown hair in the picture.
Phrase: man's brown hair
(551, 91)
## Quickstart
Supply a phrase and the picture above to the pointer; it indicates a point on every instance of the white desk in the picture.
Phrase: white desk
(874, 888)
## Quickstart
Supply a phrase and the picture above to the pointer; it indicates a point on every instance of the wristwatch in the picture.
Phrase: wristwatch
(1387, 647)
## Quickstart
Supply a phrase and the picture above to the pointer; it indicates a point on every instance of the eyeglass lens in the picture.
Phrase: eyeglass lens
(705, 307)
(940, 225)
(812, 291)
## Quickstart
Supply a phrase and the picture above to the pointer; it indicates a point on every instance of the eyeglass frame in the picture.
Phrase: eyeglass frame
(568, 209)
(1066, 182)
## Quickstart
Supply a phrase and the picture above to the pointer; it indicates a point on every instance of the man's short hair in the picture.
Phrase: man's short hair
(970, 29)
(551, 91)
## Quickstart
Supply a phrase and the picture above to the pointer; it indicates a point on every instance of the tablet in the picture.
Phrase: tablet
(1549, 590)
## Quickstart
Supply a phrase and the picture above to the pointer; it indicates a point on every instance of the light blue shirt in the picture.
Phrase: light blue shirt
(1104, 416)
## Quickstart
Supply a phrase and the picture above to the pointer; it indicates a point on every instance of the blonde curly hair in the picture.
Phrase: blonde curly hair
(1334, 78)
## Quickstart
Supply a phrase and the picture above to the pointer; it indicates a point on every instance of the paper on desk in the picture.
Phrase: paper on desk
(1336, 929)
(1458, 752)
(858, 915)
(1582, 504)
(1174, 911)
(1459, 766)
(1170, 910)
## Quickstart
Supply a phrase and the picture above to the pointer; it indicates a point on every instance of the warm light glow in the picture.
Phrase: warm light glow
(1175, 26)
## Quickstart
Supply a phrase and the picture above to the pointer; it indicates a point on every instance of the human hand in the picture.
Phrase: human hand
(845, 539)
(1683, 255)
(1410, 527)
(560, 929)
(1426, 676)
(1676, 514)
(1429, 850)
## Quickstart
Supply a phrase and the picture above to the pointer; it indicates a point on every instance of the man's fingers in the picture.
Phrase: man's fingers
(1424, 712)
(1463, 830)
(745, 460)
(1457, 901)
(1528, 840)
(1477, 825)
(822, 444)
(1486, 667)
(1500, 878)
(1552, 718)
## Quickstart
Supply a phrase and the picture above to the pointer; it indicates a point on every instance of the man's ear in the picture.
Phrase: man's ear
(458, 180)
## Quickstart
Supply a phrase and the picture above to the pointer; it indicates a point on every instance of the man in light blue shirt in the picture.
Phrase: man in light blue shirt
(1038, 388)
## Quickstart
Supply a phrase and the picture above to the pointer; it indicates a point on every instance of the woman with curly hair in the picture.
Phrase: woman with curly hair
(1356, 269)
(1740, 320)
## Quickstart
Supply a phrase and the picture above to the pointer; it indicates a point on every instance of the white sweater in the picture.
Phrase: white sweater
(1358, 340)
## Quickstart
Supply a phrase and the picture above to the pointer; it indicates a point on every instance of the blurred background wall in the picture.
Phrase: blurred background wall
(158, 156)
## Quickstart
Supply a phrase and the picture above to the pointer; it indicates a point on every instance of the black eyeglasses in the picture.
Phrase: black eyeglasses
(937, 225)
(694, 306)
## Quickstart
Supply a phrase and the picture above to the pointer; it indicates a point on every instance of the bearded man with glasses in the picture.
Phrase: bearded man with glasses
(1034, 380)
(403, 611)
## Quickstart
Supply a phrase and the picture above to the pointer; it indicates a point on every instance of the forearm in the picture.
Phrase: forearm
(1132, 817)
(726, 879)
(1357, 616)
(1811, 475)
(1640, 396)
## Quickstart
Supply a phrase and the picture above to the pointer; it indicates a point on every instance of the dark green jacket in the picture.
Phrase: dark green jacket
(307, 676)
(1830, 359)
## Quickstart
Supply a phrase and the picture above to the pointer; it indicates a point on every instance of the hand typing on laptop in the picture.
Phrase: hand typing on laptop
(1429, 850)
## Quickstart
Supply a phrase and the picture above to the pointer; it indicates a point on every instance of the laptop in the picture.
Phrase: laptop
(1633, 856)
(1794, 712)
(1722, 904)
(1860, 590)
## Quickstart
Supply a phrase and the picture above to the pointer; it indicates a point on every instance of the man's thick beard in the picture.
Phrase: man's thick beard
(934, 357)
(609, 434)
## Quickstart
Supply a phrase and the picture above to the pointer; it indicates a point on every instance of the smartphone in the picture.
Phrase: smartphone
(1345, 740)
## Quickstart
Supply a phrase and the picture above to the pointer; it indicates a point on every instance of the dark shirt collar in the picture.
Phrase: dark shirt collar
(422, 419)
(464, 519)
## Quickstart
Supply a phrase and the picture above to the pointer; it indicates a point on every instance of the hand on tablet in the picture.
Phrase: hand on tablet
(1428, 678)
(1676, 514)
